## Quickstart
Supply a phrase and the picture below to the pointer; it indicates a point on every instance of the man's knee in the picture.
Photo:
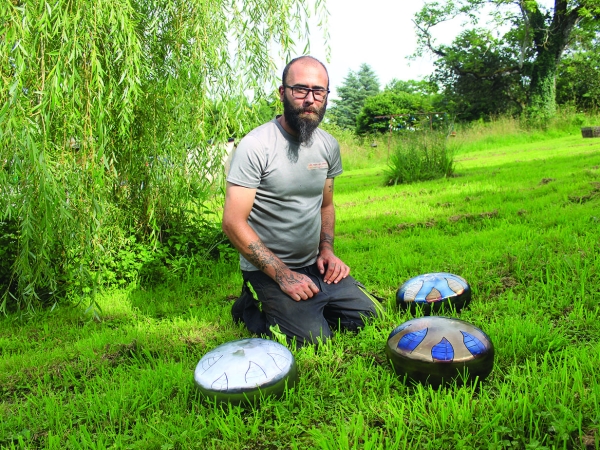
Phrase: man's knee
(305, 333)
(355, 309)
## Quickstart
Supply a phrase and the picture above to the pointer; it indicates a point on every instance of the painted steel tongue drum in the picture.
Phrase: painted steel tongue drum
(244, 370)
(433, 292)
(438, 350)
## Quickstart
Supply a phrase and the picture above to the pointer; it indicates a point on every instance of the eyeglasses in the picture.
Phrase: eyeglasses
(301, 92)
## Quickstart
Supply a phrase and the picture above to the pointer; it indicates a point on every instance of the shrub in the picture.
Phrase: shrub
(419, 156)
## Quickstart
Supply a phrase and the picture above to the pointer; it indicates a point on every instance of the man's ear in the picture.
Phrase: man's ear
(281, 93)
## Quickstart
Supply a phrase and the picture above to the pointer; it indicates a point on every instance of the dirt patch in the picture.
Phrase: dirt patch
(546, 181)
(474, 217)
(409, 226)
(508, 282)
(200, 336)
(588, 440)
(117, 353)
(580, 199)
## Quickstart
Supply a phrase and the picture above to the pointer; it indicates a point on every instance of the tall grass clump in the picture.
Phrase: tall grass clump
(111, 113)
(359, 152)
(420, 156)
(506, 130)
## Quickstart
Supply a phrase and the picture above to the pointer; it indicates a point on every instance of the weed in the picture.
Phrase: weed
(420, 156)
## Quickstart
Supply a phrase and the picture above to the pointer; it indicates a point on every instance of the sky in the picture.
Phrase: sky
(379, 33)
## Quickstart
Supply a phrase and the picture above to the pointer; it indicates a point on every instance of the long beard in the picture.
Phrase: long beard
(305, 126)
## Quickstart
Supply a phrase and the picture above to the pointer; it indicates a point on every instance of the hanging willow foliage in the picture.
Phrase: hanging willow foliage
(101, 104)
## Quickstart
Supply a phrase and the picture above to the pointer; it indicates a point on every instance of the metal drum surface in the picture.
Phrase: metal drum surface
(436, 350)
(242, 371)
(432, 292)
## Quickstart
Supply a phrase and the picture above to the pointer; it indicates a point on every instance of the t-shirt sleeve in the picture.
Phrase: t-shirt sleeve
(247, 163)
(335, 159)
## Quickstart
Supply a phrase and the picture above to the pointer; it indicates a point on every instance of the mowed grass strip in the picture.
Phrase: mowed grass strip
(520, 222)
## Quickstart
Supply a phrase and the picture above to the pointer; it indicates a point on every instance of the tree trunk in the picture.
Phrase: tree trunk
(542, 90)
(550, 41)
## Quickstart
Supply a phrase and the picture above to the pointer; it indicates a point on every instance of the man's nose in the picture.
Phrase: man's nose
(310, 98)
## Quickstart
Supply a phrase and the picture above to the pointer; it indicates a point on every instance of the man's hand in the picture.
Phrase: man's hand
(336, 268)
(296, 285)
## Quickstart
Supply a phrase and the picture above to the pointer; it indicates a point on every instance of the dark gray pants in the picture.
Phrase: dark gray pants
(345, 305)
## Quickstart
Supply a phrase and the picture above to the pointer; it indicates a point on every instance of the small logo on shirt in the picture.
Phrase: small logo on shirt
(320, 165)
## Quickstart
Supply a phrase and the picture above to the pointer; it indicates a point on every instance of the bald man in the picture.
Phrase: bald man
(280, 216)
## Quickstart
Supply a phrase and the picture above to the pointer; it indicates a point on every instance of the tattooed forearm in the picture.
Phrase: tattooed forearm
(327, 226)
(327, 221)
(326, 240)
(262, 258)
(259, 255)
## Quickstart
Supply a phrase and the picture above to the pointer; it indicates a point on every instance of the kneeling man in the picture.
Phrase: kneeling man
(280, 216)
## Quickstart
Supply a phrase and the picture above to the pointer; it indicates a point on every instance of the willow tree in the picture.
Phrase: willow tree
(539, 34)
(101, 104)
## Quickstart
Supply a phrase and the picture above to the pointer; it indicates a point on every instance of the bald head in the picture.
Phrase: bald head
(306, 59)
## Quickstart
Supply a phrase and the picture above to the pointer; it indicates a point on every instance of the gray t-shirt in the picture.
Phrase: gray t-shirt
(289, 180)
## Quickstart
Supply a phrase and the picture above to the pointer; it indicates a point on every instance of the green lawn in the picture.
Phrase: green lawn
(520, 222)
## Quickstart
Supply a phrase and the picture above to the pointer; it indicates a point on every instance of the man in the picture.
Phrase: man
(280, 216)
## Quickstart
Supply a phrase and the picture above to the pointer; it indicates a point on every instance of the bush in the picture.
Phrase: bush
(419, 156)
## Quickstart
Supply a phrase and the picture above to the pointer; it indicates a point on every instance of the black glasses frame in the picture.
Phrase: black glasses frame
(322, 93)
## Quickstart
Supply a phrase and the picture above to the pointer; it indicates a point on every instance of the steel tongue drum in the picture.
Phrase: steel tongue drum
(244, 370)
(433, 292)
(437, 350)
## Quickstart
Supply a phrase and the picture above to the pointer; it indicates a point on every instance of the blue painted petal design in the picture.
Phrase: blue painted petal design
(397, 330)
(474, 345)
(410, 341)
(438, 283)
(442, 351)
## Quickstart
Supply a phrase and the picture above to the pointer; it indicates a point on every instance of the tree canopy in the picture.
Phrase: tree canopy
(355, 89)
(533, 46)
(376, 111)
(101, 104)
(578, 80)
(473, 77)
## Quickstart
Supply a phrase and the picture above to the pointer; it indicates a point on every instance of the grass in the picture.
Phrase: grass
(520, 221)
(420, 156)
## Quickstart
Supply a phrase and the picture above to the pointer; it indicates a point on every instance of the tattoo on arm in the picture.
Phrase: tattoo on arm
(326, 240)
(259, 255)
(327, 225)
(285, 278)
(331, 186)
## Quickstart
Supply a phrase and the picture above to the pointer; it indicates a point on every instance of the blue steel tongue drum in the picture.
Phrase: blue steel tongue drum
(433, 292)
(438, 350)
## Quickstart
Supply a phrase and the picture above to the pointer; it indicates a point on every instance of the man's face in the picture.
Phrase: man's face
(304, 115)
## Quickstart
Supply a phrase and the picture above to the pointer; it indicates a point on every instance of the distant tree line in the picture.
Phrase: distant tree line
(546, 57)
